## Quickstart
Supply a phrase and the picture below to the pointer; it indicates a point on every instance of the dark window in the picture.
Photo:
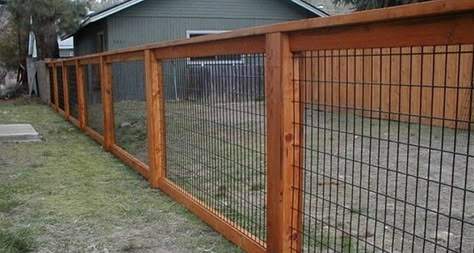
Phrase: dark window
(100, 42)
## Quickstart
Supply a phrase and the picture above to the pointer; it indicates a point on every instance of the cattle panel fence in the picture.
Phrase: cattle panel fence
(341, 134)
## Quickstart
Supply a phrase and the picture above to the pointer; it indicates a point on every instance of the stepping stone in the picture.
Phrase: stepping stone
(18, 133)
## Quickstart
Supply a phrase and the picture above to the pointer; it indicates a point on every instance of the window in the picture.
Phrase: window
(100, 42)
(220, 59)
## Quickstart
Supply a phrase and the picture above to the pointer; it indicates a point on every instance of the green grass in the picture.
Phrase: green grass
(71, 196)
(15, 242)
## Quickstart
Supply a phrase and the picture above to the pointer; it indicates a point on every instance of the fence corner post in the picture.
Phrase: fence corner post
(107, 100)
(156, 119)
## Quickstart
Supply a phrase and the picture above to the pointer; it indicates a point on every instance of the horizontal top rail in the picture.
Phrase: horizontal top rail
(412, 11)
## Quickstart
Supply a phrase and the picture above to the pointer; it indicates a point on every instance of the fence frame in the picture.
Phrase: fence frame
(454, 20)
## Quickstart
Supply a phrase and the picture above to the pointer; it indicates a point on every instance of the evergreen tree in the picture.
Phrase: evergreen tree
(47, 19)
(374, 4)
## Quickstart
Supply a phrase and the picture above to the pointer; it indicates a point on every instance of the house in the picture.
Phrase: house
(66, 47)
(137, 22)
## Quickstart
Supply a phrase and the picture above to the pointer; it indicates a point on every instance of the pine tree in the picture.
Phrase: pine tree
(374, 4)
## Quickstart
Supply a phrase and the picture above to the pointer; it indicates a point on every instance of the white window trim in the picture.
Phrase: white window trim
(202, 63)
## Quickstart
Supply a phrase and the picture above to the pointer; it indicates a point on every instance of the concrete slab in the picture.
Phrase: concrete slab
(18, 133)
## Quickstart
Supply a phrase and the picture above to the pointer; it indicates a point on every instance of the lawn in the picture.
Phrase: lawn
(66, 194)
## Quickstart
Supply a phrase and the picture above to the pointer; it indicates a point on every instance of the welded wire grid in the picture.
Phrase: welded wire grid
(215, 135)
(72, 91)
(52, 91)
(128, 85)
(93, 95)
(388, 149)
(59, 71)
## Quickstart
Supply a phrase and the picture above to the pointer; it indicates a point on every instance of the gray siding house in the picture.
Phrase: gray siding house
(137, 22)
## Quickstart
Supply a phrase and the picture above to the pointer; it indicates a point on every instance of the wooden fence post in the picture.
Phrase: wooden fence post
(283, 177)
(107, 101)
(156, 119)
(65, 90)
(81, 97)
(55, 86)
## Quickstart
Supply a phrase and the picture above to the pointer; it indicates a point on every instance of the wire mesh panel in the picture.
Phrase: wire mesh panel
(72, 91)
(388, 149)
(128, 85)
(59, 71)
(215, 135)
(93, 95)
(52, 91)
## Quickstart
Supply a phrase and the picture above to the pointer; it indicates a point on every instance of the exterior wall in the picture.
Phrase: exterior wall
(85, 41)
(155, 21)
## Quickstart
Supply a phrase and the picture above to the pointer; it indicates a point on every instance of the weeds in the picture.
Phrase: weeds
(15, 242)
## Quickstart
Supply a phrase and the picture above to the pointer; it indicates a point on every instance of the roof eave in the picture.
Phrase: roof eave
(311, 8)
(100, 15)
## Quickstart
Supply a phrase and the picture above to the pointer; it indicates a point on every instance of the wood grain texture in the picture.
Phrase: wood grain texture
(55, 87)
(81, 96)
(65, 90)
(421, 32)
(246, 45)
(155, 119)
(108, 107)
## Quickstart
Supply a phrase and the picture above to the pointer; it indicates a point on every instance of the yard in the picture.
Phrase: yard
(66, 194)
(369, 184)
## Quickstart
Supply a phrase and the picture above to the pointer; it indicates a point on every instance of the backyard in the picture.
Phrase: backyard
(65, 194)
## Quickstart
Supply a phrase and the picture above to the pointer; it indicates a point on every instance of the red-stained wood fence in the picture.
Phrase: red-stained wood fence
(411, 63)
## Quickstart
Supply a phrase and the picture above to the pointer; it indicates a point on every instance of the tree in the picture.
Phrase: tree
(48, 19)
(374, 4)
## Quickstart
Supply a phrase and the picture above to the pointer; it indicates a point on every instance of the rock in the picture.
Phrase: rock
(125, 124)
(442, 236)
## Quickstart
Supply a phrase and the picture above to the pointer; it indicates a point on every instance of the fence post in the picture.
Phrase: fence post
(65, 90)
(107, 100)
(81, 99)
(282, 153)
(55, 86)
(156, 118)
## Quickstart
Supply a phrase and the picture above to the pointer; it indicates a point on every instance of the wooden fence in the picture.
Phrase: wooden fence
(411, 63)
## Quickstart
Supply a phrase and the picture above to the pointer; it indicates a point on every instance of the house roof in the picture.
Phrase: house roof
(99, 15)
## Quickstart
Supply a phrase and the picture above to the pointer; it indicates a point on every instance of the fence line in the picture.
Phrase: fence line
(323, 159)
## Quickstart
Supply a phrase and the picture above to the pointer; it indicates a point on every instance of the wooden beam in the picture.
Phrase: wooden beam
(89, 60)
(107, 102)
(124, 57)
(131, 161)
(246, 45)
(75, 122)
(81, 96)
(284, 156)
(444, 30)
(228, 229)
(65, 90)
(55, 87)
(155, 118)
(95, 135)
(277, 66)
